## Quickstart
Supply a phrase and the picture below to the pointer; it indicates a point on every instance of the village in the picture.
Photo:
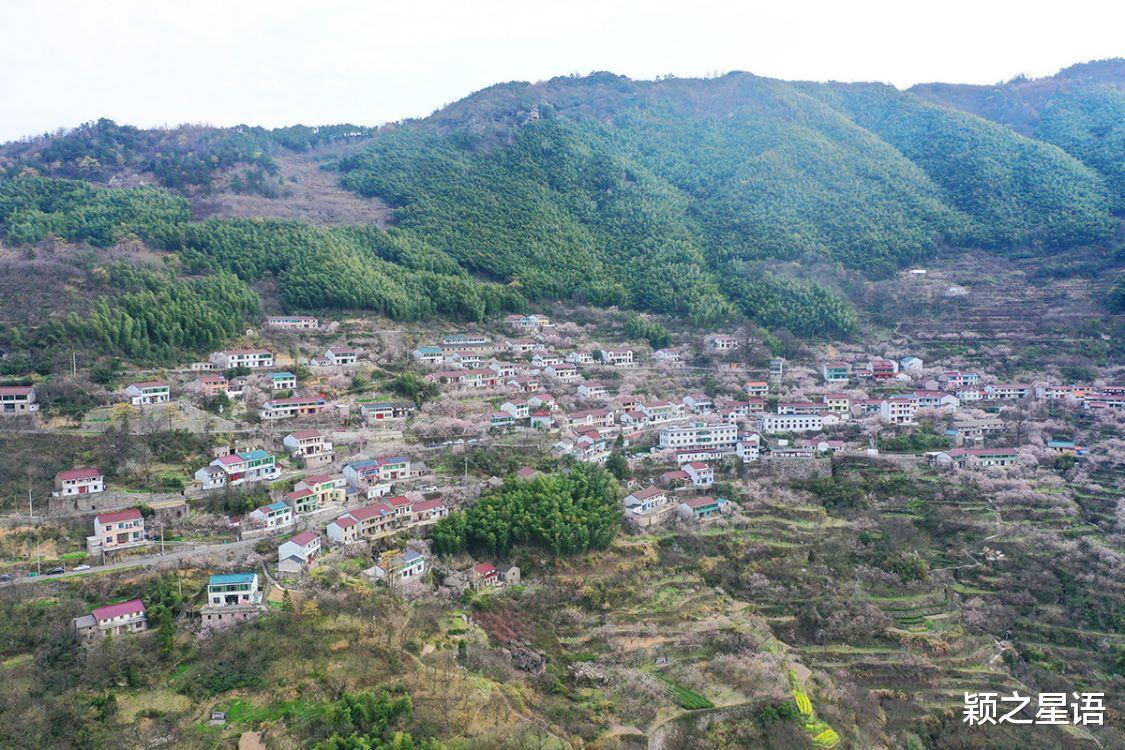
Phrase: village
(334, 465)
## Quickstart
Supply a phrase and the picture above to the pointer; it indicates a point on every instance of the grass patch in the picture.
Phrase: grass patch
(687, 699)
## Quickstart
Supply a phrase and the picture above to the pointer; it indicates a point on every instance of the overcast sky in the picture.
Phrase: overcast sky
(277, 62)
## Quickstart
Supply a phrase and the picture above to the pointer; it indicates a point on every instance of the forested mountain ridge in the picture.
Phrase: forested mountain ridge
(674, 196)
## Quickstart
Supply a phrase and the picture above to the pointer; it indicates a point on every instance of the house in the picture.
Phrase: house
(397, 568)
(308, 444)
(84, 481)
(475, 378)
(592, 389)
(836, 372)
(387, 411)
(701, 508)
(801, 407)
(898, 410)
(590, 447)
(483, 575)
(377, 474)
(722, 343)
(464, 341)
(212, 385)
(541, 418)
(430, 355)
(969, 394)
(674, 478)
(699, 435)
(935, 400)
(275, 515)
(254, 359)
(524, 383)
(975, 430)
(910, 364)
(748, 448)
(757, 388)
(317, 491)
(699, 403)
(238, 468)
(148, 392)
(464, 359)
(603, 418)
(689, 455)
(1066, 448)
(293, 323)
(501, 419)
(231, 598)
(667, 356)
(283, 381)
(294, 406)
(117, 530)
(617, 357)
(370, 521)
(700, 474)
(518, 409)
(821, 446)
(521, 346)
(953, 379)
(546, 360)
(661, 411)
(838, 403)
(563, 371)
(648, 506)
(1007, 391)
(777, 367)
(17, 399)
(112, 620)
(542, 401)
(580, 357)
(975, 458)
(342, 355)
(527, 322)
(502, 369)
(427, 512)
(774, 423)
(298, 552)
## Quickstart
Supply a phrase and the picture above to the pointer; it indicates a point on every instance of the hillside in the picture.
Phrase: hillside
(674, 196)
(1081, 110)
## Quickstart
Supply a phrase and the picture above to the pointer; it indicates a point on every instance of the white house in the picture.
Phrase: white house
(117, 530)
(618, 357)
(699, 434)
(342, 355)
(84, 481)
(149, 392)
(774, 423)
(17, 399)
(276, 515)
(253, 359)
(299, 551)
(701, 474)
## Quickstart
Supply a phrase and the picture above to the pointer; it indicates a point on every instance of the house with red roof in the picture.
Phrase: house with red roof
(112, 620)
(298, 552)
(430, 511)
(311, 447)
(117, 530)
(17, 399)
(701, 474)
(369, 522)
(83, 481)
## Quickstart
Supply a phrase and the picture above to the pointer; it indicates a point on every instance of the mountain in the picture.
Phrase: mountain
(1081, 110)
(704, 198)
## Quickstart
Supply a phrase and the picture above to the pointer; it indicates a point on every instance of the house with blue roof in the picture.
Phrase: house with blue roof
(275, 515)
(231, 598)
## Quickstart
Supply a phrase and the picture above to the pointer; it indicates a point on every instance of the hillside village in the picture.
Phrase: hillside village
(333, 446)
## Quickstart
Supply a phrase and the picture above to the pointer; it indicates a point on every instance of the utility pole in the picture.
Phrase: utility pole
(30, 512)
(73, 363)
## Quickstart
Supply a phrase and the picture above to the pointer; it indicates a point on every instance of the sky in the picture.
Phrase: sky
(224, 62)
